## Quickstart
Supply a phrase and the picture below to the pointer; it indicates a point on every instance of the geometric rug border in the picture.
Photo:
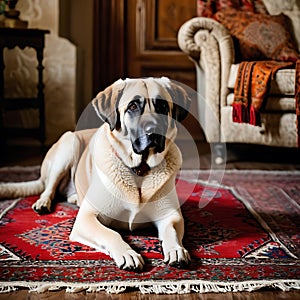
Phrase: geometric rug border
(154, 262)
(260, 220)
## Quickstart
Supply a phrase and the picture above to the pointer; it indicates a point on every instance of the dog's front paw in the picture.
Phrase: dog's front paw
(42, 206)
(73, 199)
(129, 260)
(177, 257)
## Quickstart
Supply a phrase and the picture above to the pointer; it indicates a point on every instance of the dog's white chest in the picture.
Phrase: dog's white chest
(111, 204)
(124, 217)
(116, 210)
(121, 200)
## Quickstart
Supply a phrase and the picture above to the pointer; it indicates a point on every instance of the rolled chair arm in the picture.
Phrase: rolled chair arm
(210, 46)
(190, 36)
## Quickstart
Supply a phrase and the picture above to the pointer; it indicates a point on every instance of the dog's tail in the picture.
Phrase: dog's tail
(12, 190)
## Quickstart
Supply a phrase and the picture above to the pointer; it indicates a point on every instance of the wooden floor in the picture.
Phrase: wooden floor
(61, 295)
(239, 157)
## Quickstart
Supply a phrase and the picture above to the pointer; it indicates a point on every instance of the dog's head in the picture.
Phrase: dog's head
(143, 112)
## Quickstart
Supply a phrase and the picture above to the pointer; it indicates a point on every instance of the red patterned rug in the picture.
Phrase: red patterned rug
(243, 235)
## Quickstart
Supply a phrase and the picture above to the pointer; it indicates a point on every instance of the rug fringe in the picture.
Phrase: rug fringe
(152, 287)
(7, 289)
(217, 287)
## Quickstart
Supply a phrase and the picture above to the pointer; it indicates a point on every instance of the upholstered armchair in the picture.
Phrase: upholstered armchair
(217, 46)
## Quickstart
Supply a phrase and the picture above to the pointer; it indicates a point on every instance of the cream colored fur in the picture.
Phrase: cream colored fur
(92, 168)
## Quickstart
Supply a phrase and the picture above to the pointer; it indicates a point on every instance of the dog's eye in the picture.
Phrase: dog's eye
(161, 106)
(132, 107)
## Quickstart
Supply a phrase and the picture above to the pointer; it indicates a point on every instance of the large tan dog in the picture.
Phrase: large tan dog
(122, 175)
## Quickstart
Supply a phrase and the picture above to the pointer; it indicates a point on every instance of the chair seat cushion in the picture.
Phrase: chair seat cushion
(273, 103)
(283, 83)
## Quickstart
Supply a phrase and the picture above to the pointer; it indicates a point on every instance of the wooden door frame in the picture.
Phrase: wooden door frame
(108, 42)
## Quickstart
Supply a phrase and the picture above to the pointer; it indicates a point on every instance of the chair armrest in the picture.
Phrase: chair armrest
(192, 36)
(209, 45)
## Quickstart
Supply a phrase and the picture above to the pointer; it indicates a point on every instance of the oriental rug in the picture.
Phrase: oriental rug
(242, 231)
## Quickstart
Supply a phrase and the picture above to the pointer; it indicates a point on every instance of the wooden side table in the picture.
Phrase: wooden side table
(34, 38)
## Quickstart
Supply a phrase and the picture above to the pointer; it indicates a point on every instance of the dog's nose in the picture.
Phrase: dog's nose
(149, 127)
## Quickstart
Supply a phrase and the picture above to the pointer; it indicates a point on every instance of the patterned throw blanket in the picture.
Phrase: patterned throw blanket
(251, 87)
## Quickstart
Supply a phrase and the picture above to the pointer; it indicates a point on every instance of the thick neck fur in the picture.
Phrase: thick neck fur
(115, 164)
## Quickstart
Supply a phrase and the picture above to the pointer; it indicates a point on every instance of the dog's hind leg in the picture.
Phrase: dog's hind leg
(56, 166)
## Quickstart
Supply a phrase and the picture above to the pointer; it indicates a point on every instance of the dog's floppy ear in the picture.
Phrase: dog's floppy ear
(181, 102)
(106, 104)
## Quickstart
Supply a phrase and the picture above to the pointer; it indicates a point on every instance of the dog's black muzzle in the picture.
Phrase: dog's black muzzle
(148, 141)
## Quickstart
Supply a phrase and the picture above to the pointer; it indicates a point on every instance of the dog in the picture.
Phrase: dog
(122, 174)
